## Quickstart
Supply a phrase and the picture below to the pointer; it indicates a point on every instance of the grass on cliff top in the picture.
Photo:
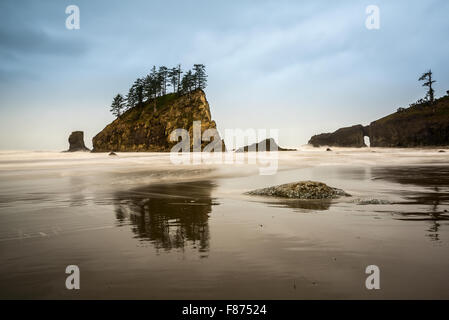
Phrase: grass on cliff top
(162, 103)
(438, 111)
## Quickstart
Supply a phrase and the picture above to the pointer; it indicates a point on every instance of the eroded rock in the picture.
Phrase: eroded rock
(424, 124)
(76, 142)
(301, 190)
(265, 145)
(344, 137)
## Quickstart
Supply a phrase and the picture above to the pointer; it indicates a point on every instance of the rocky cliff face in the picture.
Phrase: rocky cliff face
(144, 129)
(344, 137)
(76, 142)
(421, 125)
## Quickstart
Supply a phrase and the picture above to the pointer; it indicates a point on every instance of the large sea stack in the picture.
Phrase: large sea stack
(147, 127)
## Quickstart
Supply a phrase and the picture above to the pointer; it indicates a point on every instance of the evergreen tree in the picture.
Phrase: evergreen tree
(188, 82)
(152, 86)
(148, 87)
(427, 76)
(173, 78)
(163, 76)
(200, 76)
(179, 72)
(139, 90)
(155, 84)
(131, 98)
(118, 104)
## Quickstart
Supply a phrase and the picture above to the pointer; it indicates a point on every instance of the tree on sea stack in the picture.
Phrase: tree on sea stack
(131, 99)
(138, 89)
(135, 94)
(148, 88)
(427, 77)
(118, 104)
(178, 73)
(154, 85)
(174, 77)
(200, 76)
(163, 76)
(188, 82)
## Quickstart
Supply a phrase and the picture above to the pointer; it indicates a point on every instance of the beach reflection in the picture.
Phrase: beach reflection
(435, 195)
(300, 205)
(435, 182)
(170, 216)
(423, 176)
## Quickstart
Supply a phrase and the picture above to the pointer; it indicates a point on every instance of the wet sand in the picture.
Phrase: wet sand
(139, 227)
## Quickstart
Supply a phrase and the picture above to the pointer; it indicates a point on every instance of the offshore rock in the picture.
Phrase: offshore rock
(76, 142)
(265, 145)
(301, 190)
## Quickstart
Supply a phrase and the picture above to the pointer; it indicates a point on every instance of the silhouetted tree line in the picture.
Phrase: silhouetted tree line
(156, 84)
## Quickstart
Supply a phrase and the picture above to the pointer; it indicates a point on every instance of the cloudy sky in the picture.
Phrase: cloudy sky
(300, 67)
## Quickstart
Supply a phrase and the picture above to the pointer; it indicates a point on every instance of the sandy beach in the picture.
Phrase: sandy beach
(140, 227)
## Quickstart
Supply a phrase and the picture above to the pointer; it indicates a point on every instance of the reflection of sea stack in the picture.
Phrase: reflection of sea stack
(171, 216)
(76, 141)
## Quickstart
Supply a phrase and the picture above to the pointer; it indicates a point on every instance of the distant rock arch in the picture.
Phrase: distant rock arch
(367, 141)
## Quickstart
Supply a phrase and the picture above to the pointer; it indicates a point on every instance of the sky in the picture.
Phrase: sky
(301, 67)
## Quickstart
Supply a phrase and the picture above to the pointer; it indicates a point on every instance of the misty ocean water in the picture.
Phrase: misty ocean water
(139, 226)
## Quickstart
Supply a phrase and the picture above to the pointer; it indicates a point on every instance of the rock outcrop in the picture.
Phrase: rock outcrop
(76, 142)
(420, 125)
(147, 127)
(417, 126)
(265, 145)
(301, 190)
(344, 137)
